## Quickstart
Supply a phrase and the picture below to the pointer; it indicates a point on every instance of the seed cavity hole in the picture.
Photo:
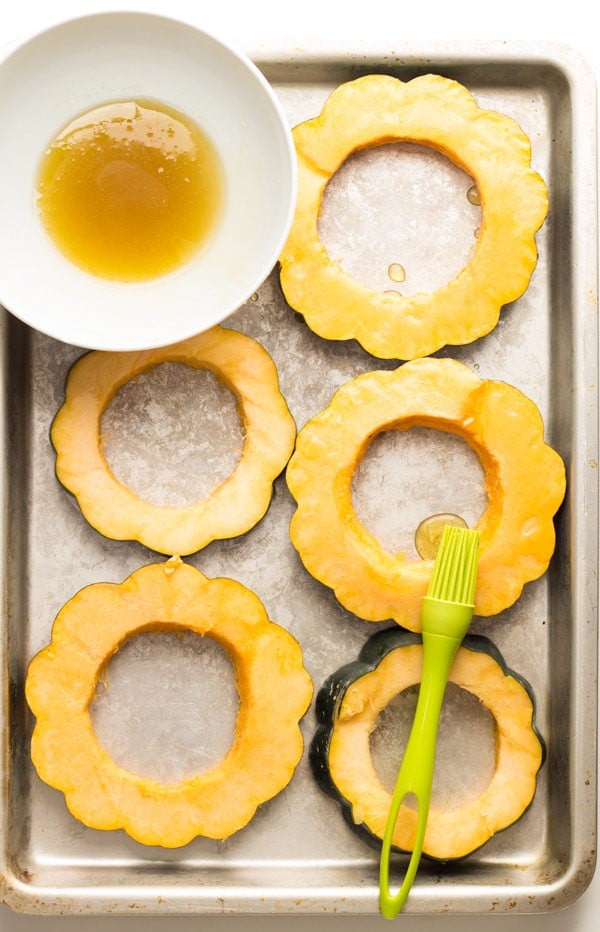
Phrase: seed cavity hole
(465, 724)
(405, 476)
(166, 704)
(404, 205)
(172, 434)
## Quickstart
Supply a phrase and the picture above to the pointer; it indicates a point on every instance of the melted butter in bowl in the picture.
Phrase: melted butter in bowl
(130, 190)
(127, 254)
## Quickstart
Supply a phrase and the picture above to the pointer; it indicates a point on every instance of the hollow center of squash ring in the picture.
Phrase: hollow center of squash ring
(172, 434)
(466, 748)
(405, 476)
(400, 204)
(166, 704)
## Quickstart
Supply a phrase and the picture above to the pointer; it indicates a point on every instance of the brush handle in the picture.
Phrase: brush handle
(416, 772)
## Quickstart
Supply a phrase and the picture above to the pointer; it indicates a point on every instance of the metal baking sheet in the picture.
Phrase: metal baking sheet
(298, 855)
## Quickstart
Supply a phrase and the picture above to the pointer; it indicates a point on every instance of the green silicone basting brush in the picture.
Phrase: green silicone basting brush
(445, 617)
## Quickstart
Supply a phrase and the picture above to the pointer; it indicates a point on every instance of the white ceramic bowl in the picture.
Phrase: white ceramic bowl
(86, 62)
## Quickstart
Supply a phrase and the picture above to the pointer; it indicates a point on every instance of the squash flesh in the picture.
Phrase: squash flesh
(524, 479)
(440, 113)
(236, 505)
(274, 688)
(346, 755)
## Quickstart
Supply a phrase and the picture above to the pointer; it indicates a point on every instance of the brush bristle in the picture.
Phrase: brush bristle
(455, 569)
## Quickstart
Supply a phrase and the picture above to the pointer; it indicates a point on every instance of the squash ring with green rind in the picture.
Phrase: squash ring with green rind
(347, 708)
(524, 482)
(274, 689)
(231, 509)
(433, 111)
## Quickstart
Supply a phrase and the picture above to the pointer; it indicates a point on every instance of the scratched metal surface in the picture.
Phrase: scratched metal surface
(166, 706)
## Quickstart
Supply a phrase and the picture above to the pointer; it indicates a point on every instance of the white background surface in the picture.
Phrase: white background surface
(249, 24)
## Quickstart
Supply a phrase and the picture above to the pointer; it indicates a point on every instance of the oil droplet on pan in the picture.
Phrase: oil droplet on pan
(396, 272)
(429, 533)
(473, 196)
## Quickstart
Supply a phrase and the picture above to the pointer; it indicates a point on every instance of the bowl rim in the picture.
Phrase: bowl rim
(14, 49)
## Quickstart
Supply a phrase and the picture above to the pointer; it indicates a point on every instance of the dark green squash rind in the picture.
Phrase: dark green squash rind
(331, 695)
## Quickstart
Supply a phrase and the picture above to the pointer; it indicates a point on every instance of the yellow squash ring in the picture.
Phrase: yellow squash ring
(275, 691)
(236, 505)
(524, 481)
(436, 112)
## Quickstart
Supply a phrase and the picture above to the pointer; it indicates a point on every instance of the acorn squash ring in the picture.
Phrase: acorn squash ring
(231, 509)
(274, 689)
(524, 482)
(348, 706)
(433, 111)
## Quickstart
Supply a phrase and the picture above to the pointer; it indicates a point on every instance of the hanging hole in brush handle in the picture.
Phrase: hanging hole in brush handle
(391, 903)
